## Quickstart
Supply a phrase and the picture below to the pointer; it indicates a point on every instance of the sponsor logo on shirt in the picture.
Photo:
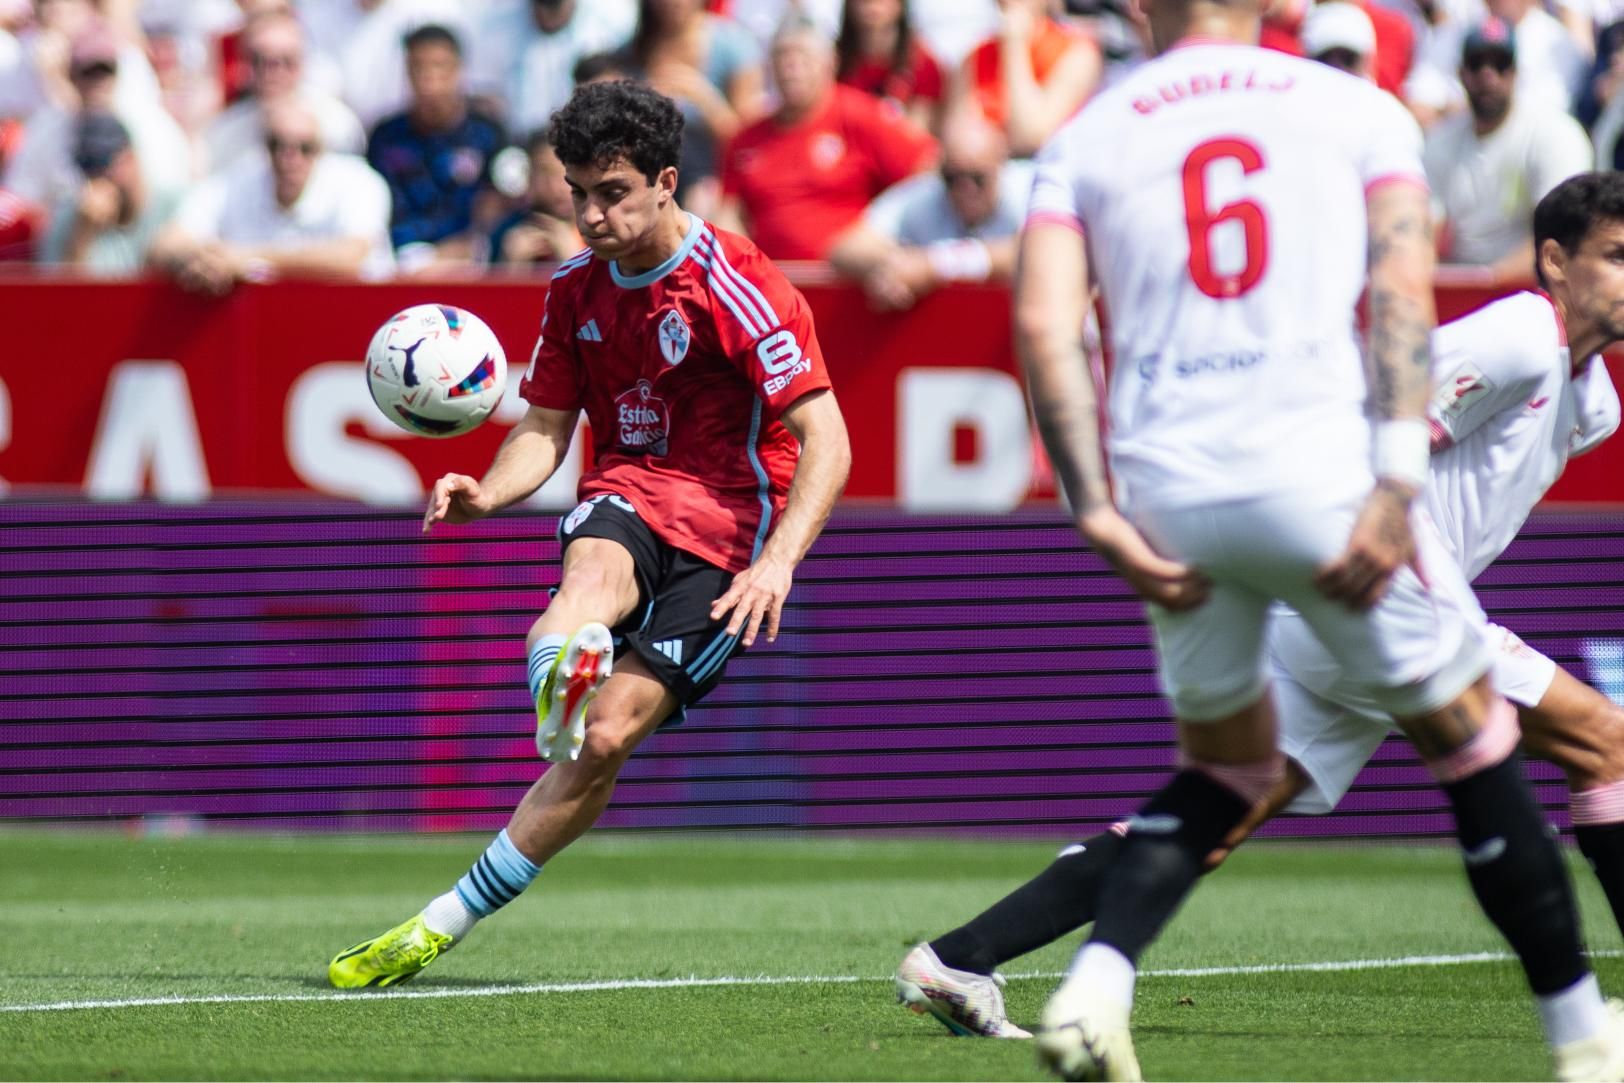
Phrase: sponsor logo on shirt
(1456, 394)
(643, 422)
(674, 337)
(781, 358)
(826, 150)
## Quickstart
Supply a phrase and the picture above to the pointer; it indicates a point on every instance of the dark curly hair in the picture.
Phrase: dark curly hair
(1573, 208)
(619, 119)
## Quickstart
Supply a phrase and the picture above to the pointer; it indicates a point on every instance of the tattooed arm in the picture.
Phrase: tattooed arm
(1402, 318)
(1051, 303)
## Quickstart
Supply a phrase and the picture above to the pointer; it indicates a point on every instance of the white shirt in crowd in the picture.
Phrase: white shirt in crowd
(1486, 186)
(367, 46)
(1238, 373)
(344, 197)
(1512, 410)
(43, 167)
(532, 72)
(917, 211)
(240, 128)
(1551, 68)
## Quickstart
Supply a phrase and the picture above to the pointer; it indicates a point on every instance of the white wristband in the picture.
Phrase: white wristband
(1403, 451)
(960, 261)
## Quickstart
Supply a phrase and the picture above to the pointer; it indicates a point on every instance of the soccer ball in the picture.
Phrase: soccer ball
(436, 370)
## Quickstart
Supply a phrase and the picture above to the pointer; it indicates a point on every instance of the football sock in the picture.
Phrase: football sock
(1106, 973)
(448, 914)
(495, 880)
(1161, 858)
(1059, 899)
(1598, 824)
(1574, 1014)
(1517, 874)
(542, 656)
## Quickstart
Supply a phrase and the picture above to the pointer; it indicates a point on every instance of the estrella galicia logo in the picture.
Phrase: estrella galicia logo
(674, 337)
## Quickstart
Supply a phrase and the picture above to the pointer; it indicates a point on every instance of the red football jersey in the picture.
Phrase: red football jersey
(683, 371)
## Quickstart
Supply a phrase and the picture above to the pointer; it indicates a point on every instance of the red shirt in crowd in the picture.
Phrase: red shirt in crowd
(1395, 41)
(1051, 41)
(683, 372)
(802, 184)
(921, 80)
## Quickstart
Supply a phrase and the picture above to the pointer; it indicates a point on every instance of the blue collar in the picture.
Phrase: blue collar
(654, 274)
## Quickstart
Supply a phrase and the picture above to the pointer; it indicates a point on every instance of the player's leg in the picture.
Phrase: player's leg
(1581, 731)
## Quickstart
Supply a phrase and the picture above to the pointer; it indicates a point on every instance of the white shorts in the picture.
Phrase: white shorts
(1334, 740)
(1415, 651)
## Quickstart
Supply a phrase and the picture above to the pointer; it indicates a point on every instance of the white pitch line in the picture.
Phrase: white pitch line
(615, 985)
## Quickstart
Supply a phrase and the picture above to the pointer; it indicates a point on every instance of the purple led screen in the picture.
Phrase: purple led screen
(312, 666)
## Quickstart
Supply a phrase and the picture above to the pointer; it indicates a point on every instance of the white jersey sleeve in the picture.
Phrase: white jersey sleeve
(1479, 371)
(1392, 144)
(1597, 413)
(1054, 199)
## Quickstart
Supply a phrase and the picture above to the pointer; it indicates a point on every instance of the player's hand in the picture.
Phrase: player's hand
(456, 499)
(1153, 577)
(757, 594)
(1381, 544)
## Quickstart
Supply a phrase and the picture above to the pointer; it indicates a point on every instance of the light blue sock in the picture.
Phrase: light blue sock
(497, 878)
(542, 656)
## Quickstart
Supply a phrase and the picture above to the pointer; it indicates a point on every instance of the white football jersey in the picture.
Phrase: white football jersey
(1221, 191)
(1510, 409)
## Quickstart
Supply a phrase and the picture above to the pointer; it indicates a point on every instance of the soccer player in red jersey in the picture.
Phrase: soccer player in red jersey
(718, 453)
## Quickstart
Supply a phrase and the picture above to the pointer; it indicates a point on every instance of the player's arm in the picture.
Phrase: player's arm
(1402, 320)
(757, 594)
(1051, 300)
(527, 458)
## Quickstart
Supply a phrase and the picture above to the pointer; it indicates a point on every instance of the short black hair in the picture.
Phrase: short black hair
(433, 34)
(619, 119)
(1573, 208)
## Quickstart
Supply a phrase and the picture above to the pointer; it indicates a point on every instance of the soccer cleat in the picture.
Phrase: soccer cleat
(1597, 1058)
(1082, 1037)
(394, 957)
(965, 1003)
(580, 669)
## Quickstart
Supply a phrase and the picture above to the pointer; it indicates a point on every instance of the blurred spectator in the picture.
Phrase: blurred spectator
(43, 171)
(17, 228)
(1341, 34)
(297, 210)
(762, 18)
(1392, 51)
(1489, 166)
(1603, 107)
(436, 157)
(543, 229)
(599, 68)
(19, 86)
(365, 39)
(274, 44)
(108, 224)
(177, 36)
(800, 176)
(958, 224)
(1551, 62)
(1031, 77)
(525, 51)
(711, 67)
(878, 53)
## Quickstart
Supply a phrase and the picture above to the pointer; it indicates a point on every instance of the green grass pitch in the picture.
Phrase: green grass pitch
(216, 920)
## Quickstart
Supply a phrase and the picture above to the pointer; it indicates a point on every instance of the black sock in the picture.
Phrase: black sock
(1058, 900)
(1603, 847)
(1517, 874)
(1162, 856)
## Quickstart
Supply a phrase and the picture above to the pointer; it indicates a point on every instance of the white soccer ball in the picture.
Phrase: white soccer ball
(436, 370)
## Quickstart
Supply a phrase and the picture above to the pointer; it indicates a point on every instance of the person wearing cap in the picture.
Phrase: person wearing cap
(106, 226)
(1488, 166)
(296, 211)
(1341, 34)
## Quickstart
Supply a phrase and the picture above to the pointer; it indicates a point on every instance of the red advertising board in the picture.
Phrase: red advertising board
(132, 388)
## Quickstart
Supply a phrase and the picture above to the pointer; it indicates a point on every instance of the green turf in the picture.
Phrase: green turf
(96, 917)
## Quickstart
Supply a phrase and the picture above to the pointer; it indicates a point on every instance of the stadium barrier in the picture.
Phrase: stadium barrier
(315, 664)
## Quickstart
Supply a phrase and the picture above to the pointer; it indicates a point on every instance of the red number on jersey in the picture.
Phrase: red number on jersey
(1200, 221)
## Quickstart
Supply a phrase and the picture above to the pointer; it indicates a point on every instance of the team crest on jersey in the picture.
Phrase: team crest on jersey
(674, 337)
(1457, 392)
(827, 149)
(644, 424)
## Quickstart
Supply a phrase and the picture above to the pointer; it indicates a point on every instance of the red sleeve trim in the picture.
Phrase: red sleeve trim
(1395, 178)
(1441, 440)
(1055, 218)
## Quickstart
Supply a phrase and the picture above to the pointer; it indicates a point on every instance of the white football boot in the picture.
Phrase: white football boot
(1084, 1037)
(579, 670)
(966, 1003)
(1598, 1058)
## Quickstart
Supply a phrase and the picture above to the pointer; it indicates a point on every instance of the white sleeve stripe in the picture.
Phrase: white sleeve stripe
(724, 292)
(722, 279)
(580, 259)
(746, 288)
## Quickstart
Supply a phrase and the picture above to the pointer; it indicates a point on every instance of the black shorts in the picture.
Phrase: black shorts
(671, 629)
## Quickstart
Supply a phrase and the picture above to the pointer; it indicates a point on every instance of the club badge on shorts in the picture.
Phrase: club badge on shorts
(674, 337)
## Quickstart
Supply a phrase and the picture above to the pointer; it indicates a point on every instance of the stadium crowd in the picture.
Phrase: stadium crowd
(221, 141)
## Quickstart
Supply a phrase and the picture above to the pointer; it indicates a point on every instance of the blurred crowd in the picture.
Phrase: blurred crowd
(222, 141)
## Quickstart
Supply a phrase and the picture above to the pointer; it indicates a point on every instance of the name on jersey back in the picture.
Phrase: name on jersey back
(1204, 84)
